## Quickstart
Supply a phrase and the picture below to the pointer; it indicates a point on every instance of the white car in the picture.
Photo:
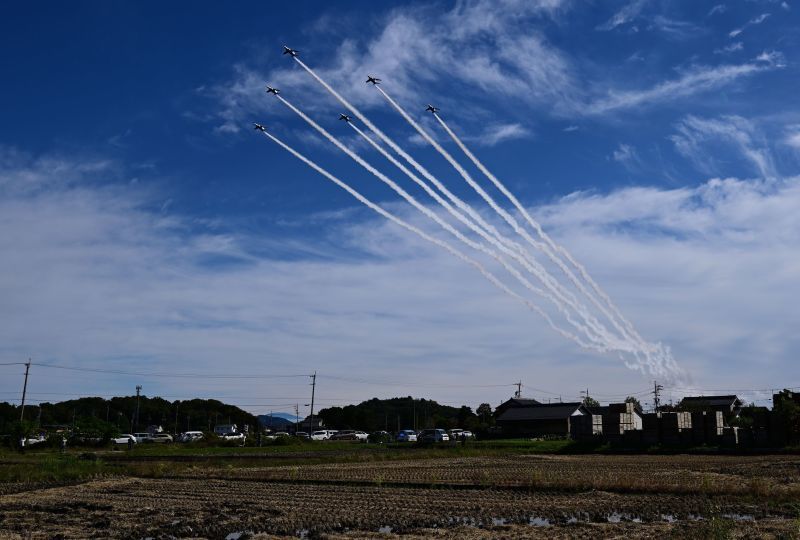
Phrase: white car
(141, 437)
(322, 435)
(362, 436)
(191, 436)
(160, 438)
(125, 438)
(233, 437)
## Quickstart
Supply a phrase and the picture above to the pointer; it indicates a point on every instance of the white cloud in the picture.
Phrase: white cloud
(694, 133)
(498, 133)
(626, 155)
(92, 277)
(754, 21)
(793, 137)
(696, 80)
(625, 15)
(733, 47)
(719, 8)
(490, 46)
(571, 128)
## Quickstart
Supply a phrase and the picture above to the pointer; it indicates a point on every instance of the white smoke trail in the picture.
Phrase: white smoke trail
(508, 218)
(402, 153)
(599, 340)
(533, 223)
(529, 263)
(663, 355)
(424, 172)
(442, 244)
(662, 365)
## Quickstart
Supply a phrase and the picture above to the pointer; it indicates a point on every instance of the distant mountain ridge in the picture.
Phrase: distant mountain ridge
(276, 421)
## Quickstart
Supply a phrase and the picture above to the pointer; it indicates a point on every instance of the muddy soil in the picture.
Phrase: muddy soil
(136, 508)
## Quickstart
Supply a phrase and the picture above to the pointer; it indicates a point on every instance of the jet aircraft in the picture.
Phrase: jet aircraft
(271, 90)
(344, 117)
(373, 80)
(431, 108)
(259, 127)
(288, 50)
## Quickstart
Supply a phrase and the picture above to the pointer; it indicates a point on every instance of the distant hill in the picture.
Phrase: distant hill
(275, 422)
(117, 414)
(398, 413)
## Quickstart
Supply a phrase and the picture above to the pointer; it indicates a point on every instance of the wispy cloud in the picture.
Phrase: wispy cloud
(711, 270)
(719, 8)
(625, 15)
(793, 137)
(487, 45)
(695, 80)
(498, 133)
(694, 133)
(733, 47)
(754, 21)
(626, 155)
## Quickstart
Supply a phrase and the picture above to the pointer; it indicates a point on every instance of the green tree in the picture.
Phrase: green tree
(635, 401)
(484, 412)
(590, 402)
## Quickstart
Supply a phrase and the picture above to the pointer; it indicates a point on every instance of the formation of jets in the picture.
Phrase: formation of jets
(346, 118)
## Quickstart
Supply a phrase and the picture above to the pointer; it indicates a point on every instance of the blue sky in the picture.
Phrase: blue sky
(146, 227)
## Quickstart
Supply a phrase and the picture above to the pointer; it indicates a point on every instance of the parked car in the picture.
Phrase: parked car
(380, 437)
(322, 435)
(233, 437)
(302, 435)
(349, 435)
(407, 435)
(458, 434)
(191, 436)
(433, 436)
(141, 437)
(161, 438)
(125, 438)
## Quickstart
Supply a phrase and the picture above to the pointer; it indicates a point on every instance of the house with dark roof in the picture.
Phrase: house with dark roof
(537, 420)
(514, 403)
(729, 406)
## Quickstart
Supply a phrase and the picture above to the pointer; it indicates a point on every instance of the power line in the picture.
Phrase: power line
(169, 375)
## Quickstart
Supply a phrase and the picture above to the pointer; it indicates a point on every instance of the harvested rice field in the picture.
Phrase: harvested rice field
(589, 496)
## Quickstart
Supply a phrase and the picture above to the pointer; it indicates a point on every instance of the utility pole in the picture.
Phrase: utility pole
(518, 393)
(24, 390)
(296, 417)
(657, 388)
(177, 408)
(313, 389)
(136, 423)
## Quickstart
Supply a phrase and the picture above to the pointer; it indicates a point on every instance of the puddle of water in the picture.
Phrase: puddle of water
(385, 529)
(498, 521)
(740, 517)
(540, 522)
